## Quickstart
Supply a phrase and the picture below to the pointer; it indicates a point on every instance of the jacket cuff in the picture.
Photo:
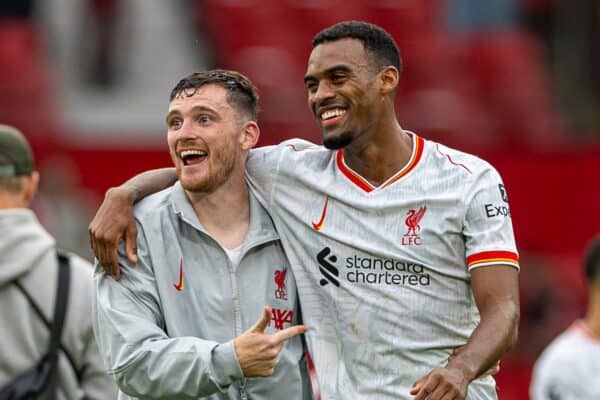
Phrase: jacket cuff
(226, 367)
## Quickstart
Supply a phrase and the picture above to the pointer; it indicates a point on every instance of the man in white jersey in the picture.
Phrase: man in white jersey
(402, 248)
(180, 324)
(569, 367)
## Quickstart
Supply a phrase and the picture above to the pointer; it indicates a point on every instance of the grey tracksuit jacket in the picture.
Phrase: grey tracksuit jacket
(28, 255)
(166, 329)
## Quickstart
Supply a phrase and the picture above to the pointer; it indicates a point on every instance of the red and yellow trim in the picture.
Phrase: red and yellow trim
(415, 157)
(492, 257)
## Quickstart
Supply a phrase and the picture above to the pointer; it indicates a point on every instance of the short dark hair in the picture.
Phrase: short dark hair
(376, 41)
(242, 94)
(592, 260)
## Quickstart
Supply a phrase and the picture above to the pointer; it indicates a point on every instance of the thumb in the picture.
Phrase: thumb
(263, 321)
(131, 243)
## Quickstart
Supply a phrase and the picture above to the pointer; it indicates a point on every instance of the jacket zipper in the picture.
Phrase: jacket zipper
(237, 317)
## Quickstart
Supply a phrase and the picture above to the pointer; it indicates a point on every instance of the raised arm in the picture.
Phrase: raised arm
(496, 293)
(114, 219)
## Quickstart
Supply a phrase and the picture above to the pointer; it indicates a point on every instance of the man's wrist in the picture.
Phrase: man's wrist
(468, 370)
(124, 192)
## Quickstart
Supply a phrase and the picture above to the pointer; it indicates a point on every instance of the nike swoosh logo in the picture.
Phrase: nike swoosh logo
(179, 286)
(319, 225)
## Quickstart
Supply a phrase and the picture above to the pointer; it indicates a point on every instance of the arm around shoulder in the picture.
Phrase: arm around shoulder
(114, 221)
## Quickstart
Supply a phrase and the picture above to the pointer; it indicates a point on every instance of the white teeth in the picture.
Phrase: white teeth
(186, 153)
(332, 113)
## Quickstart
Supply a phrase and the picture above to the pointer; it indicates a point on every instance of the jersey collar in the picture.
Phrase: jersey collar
(417, 151)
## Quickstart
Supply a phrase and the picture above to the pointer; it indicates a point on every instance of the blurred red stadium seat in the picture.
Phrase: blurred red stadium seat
(404, 18)
(24, 77)
(513, 81)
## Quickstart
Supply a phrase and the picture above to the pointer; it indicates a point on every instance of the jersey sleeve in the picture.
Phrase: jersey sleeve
(144, 360)
(488, 231)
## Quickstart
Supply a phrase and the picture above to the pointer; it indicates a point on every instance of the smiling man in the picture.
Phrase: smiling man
(396, 260)
(179, 324)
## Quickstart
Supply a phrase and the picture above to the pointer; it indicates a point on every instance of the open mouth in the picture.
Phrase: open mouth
(332, 116)
(192, 157)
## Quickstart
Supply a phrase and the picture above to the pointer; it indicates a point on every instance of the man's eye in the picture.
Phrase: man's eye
(203, 119)
(311, 86)
(174, 123)
(338, 78)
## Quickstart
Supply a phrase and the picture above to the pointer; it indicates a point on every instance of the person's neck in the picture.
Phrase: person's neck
(380, 155)
(592, 318)
(11, 201)
(225, 213)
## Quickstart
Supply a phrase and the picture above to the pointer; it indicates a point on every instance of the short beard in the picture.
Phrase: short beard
(214, 180)
(338, 142)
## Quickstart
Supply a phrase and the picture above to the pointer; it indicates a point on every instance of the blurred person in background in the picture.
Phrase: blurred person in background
(568, 369)
(28, 276)
(180, 324)
(402, 248)
(63, 205)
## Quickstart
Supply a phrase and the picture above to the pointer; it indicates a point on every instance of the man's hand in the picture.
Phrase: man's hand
(441, 384)
(256, 351)
(114, 221)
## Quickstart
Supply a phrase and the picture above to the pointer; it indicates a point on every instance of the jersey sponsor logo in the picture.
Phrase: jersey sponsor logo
(317, 226)
(413, 218)
(280, 317)
(493, 210)
(327, 268)
(179, 285)
(503, 193)
(281, 291)
(373, 271)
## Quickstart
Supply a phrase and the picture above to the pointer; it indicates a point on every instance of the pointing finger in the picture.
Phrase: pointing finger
(289, 333)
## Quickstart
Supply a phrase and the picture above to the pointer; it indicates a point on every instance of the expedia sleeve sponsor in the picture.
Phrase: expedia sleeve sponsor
(487, 226)
(496, 210)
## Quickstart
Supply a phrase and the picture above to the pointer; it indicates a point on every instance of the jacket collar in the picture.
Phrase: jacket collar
(261, 229)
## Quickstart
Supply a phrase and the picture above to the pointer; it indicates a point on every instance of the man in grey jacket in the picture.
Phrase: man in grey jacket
(181, 323)
(28, 258)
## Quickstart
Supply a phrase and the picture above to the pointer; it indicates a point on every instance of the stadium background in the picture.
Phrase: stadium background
(516, 82)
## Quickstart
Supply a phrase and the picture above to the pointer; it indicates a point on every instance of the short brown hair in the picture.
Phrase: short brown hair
(242, 94)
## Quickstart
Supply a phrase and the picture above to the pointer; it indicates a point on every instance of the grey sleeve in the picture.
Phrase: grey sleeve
(95, 382)
(145, 362)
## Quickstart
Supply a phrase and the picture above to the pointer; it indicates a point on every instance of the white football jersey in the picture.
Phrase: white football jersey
(569, 368)
(383, 272)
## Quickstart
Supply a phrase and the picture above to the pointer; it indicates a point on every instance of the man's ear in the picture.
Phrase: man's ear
(250, 135)
(30, 187)
(389, 78)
